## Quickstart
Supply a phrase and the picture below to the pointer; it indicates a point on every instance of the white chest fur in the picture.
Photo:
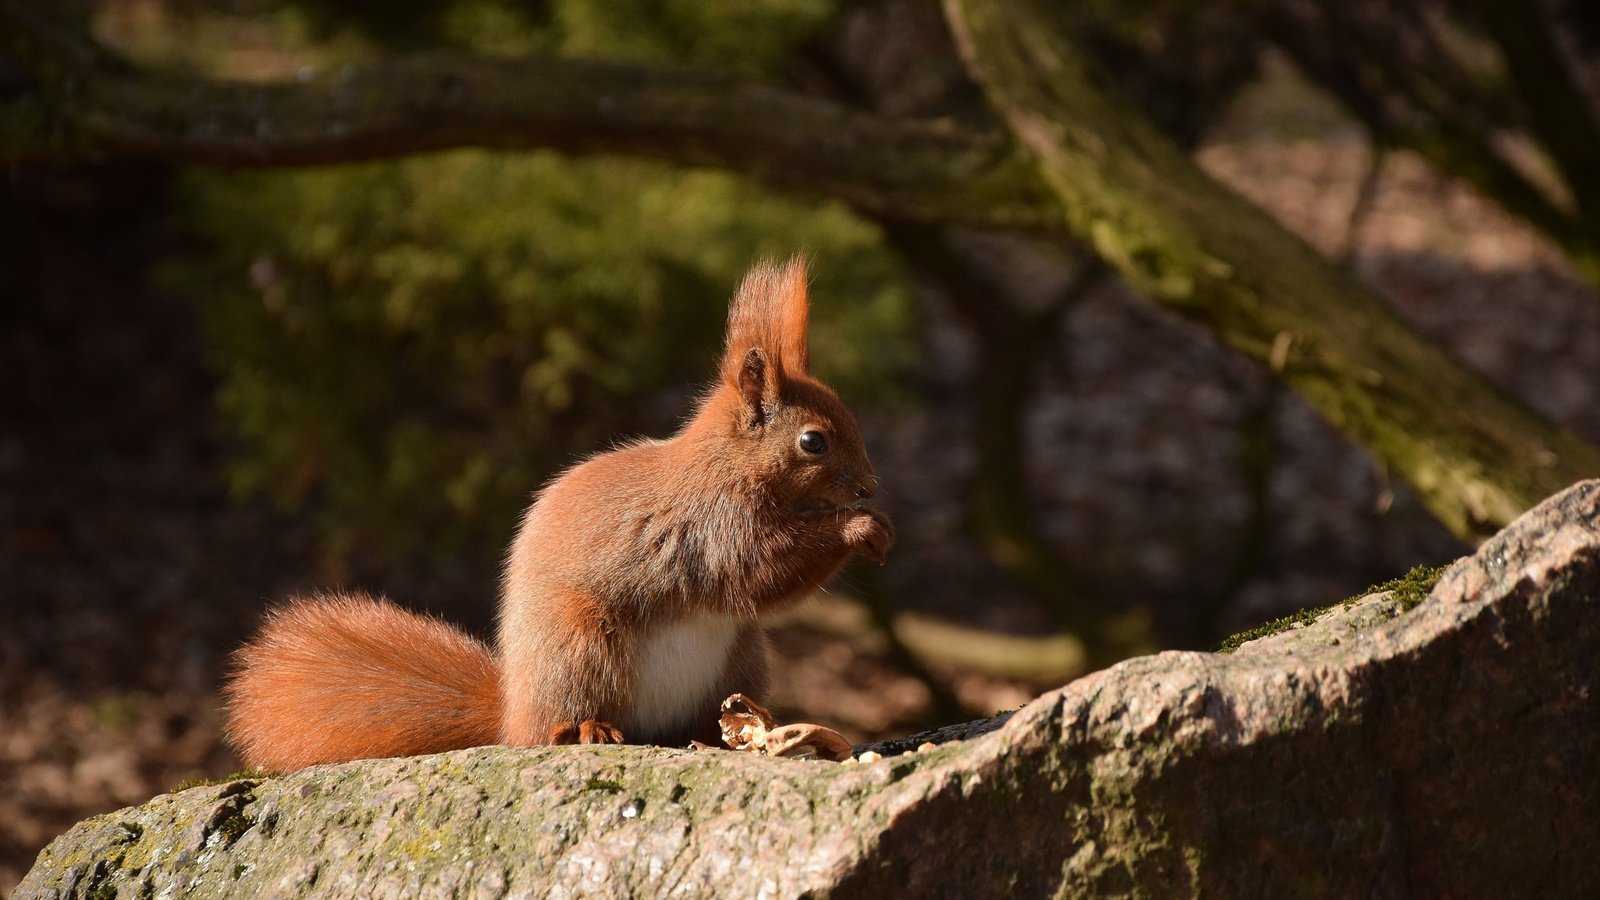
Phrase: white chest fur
(677, 666)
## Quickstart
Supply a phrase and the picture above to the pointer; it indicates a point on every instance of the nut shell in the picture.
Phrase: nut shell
(808, 742)
(749, 726)
(745, 723)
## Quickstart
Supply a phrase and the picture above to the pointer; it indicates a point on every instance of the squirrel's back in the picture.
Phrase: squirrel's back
(347, 676)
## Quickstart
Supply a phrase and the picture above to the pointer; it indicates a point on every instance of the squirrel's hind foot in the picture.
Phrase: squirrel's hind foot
(589, 731)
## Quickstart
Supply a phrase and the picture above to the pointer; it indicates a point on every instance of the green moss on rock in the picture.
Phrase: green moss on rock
(1408, 590)
(252, 775)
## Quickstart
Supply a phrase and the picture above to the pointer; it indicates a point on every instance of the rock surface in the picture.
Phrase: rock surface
(1452, 750)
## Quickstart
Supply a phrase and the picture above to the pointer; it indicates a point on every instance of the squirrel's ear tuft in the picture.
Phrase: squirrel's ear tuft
(794, 314)
(768, 314)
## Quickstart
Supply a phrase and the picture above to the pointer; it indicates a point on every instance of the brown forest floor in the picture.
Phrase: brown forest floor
(128, 573)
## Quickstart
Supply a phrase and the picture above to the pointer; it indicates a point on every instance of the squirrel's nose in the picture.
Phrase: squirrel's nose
(866, 486)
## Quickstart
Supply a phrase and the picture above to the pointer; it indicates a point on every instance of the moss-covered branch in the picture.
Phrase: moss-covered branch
(1476, 456)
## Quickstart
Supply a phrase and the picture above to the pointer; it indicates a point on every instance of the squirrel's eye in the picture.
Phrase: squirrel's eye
(813, 442)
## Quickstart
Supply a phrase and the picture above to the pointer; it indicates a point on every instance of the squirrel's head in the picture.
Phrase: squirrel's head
(789, 430)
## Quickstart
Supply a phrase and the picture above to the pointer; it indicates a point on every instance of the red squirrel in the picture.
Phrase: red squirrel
(632, 594)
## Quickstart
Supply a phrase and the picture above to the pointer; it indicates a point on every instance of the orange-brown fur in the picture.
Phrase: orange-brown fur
(655, 549)
(318, 683)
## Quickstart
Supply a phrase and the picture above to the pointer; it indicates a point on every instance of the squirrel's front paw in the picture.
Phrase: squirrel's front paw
(869, 533)
(589, 731)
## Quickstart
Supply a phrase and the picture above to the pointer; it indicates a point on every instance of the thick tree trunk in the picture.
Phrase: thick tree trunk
(1476, 456)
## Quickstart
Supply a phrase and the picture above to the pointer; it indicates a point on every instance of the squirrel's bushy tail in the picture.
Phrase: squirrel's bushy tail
(346, 676)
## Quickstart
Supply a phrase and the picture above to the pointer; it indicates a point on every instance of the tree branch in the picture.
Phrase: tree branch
(1476, 456)
(922, 169)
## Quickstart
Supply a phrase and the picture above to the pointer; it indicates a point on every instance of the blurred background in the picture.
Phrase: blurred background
(219, 386)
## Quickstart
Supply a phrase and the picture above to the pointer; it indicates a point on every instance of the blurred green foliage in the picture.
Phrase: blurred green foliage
(751, 36)
(412, 347)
